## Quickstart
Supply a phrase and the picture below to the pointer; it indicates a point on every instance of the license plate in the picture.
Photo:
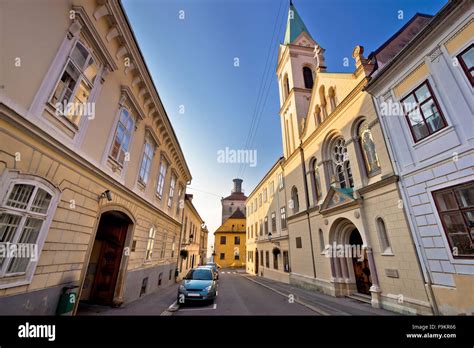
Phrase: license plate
(194, 295)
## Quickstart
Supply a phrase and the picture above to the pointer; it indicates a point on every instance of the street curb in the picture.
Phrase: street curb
(315, 309)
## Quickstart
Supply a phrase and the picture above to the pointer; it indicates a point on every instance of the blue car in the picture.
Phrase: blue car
(198, 285)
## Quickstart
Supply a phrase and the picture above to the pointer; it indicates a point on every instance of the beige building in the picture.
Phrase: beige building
(348, 235)
(267, 233)
(193, 234)
(91, 171)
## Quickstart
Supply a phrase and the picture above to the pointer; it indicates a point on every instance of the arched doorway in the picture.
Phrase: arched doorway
(100, 283)
(360, 263)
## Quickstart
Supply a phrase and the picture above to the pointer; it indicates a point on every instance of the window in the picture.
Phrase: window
(236, 257)
(422, 112)
(150, 244)
(222, 256)
(275, 260)
(251, 231)
(163, 246)
(466, 60)
(322, 247)
(455, 207)
(160, 278)
(261, 228)
(274, 223)
(272, 188)
(223, 240)
(23, 223)
(286, 262)
(265, 195)
(295, 200)
(259, 199)
(255, 204)
(237, 240)
(171, 192)
(180, 199)
(283, 217)
(267, 259)
(299, 244)
(367, 147)
(280, 181)
(308, 77)
(261, 257)
(248, 232)
(383, 237)
(266, 224)
(173, 245)
(286, 87)
(76, 83)
(332, 98)
(342, 167)
(146, 163)
(315, 181)
(123, 134)
(161, 178)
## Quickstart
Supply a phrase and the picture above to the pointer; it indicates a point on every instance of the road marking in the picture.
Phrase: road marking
(207, 308)
(315, 309)
(172, 308)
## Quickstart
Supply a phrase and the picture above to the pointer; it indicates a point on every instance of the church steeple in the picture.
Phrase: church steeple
(294, 26)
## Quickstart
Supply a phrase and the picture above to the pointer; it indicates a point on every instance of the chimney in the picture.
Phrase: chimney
(237, 185)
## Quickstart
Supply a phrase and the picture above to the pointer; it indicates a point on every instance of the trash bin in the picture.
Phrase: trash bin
(67, 300)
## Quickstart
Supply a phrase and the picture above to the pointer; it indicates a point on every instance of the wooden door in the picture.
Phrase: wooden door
(362, 275)
(113, 236)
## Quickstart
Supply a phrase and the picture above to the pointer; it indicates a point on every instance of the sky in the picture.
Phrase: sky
(214, 65)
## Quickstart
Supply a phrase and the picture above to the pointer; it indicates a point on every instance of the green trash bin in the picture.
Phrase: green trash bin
(67, 300)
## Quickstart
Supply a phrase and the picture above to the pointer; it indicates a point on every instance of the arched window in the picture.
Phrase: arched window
(342, 167)
(315, 181)
(367, 148)
(322, 97)
(383, 237)
(294, 198)
(308, 78)
(286, 87)
(321, 241)
(332, 98)
(317, 115)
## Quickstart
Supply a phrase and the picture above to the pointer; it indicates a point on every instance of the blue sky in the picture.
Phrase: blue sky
(192, 64)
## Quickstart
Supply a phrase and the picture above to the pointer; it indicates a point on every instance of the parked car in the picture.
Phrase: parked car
(214, 269)
(198, 285)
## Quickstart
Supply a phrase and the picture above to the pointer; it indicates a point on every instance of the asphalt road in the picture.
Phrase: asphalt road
(237, 295)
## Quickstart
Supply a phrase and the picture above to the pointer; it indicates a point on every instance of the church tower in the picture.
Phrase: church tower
(296, 71)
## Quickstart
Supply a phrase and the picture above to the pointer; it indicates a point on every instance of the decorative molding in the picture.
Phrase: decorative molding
(127, 95)
(100, 11)
(113, 33)
(435, 53)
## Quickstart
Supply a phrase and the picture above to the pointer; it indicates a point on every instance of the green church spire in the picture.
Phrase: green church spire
(294, 26)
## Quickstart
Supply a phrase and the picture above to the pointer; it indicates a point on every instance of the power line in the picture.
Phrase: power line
(264, 77)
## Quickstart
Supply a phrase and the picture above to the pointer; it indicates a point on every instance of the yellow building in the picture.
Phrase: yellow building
(91, 171)
(229, 242)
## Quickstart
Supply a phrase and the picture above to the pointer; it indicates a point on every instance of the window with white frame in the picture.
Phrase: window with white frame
(147, 160)
(150, 243)
(76, 83)
(342, 167)
(161, 178)
(272, 188)
(25, 213)
(265, 195)
(171, 191)
(163, 246)
(122, 137)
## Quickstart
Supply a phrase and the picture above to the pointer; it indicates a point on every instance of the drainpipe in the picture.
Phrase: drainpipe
(409, 217)
(305, 182)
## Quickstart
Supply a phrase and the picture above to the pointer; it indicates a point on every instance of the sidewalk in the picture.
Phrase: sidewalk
(319, 302)
(154, 303)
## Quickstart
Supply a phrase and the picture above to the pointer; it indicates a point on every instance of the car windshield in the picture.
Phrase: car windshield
(199, 274)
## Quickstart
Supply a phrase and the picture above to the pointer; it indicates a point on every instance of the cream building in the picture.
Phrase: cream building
(96, 192)
(192, 238)
(433, 147)
(267, 233)
(348, 234)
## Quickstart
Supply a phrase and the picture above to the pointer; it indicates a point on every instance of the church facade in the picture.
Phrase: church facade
(347, 230)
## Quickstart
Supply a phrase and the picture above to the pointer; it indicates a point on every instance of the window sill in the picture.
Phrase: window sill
(433, 137)
(387, 253)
